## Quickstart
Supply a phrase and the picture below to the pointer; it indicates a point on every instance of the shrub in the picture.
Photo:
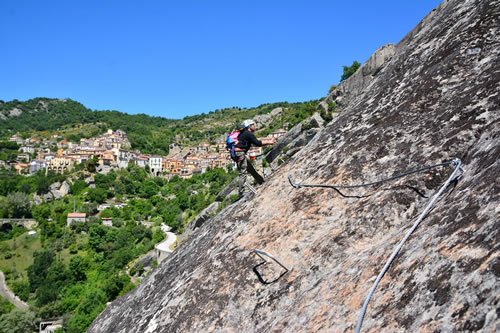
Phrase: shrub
(327, 116)
(349, 70)
(73, 249)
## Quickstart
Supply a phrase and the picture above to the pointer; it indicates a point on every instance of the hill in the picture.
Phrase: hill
(433, 98)
(44, 117)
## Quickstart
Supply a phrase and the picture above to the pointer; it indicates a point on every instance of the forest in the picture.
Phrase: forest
(73, 272)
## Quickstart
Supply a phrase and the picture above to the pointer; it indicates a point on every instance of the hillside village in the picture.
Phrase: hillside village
(112, 150)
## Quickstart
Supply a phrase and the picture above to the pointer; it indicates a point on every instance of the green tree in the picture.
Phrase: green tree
(22, 289)
(92, 164)
(17, 321)
(78, 186)
(42, 184)
(98, 195)
(114, 285)
(93, 303)
(5, 306)
(19, 204)
(149, 188)
(349, 70)
(38, 270)
(97, 236)
(77, 266)
(41, 212)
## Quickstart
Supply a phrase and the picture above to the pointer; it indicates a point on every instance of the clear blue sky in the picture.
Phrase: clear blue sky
(178, 58)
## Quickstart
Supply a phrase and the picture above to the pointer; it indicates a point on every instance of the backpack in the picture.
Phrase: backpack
(232, 140)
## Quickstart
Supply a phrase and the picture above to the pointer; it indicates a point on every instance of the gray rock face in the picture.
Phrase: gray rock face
(355, 84)
(64, 189)
(37, 199)
(205, 215)
(55, 186)
(48, 196)
(294, 139)
(56, 194)
(146, 261)
(226, 192)
(265, 119)
(435, 99)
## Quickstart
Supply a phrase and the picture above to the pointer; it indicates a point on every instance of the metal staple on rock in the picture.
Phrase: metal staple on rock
(455, 175)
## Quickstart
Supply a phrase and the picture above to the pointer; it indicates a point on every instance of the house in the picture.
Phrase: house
(123, 156)
(156, 165)
(192, 162)
(162, 251)
(62, 144)
(17, 139)
(46, 156)
(109, 205)
(60, 164)
(76, 217)
(106, 158)
(185, 174)
(21, 167)
(141, 161)
(27, 149)
(173, 165)
(23, 156)
(107, 221)
(254, 152)
(50, 326)
(36, 165)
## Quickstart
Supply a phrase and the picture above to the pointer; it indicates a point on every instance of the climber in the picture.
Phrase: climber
(245, 140)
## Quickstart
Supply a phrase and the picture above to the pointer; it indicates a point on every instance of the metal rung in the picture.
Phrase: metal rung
(251, 188)
(260, 253)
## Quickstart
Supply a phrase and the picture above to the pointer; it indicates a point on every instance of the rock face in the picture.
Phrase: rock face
(362, 77)
(434, 100)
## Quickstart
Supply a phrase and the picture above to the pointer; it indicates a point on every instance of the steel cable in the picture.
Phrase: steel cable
(455, 175)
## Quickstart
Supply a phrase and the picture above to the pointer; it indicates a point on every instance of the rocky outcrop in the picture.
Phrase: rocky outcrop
(230, 189)
(294, 140)
(146, 261)
(434, 100)
(263, 120)
(361, 78)
(56, 191)
(64, 189)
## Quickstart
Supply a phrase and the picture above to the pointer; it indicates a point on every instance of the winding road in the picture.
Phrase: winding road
(5, 292)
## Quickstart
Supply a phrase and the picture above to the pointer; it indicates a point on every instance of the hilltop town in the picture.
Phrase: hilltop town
(112, 150)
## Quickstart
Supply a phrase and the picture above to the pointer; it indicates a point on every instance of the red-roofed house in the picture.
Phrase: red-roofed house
(79, 217)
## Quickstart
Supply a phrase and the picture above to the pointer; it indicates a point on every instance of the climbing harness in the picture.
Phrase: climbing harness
(455, 176)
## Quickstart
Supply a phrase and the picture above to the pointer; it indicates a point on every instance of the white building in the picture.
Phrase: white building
(123, 156)
(78, 217)
(36, 165)
(162, 251)
(156, 165)
(27, 149)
